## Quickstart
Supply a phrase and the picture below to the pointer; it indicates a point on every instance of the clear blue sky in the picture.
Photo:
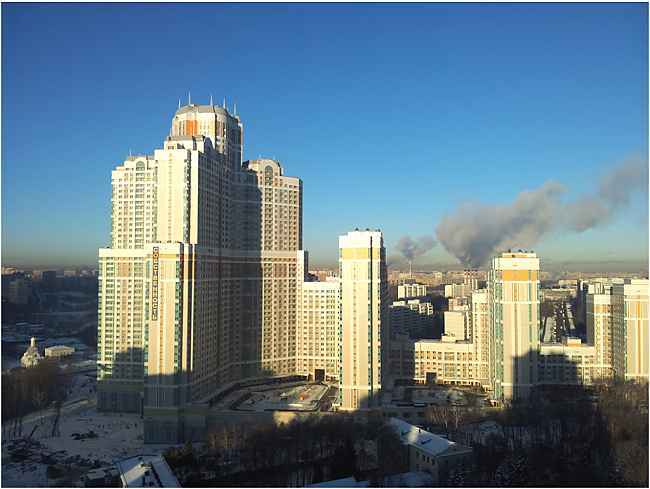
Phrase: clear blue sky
(391, 114)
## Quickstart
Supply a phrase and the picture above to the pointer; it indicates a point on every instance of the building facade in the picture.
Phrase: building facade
(630, 330)
(318, 331)
(406, 291)
(411, 316)
(598, 314)
(363, 320)
(513, 298)
(199, 286)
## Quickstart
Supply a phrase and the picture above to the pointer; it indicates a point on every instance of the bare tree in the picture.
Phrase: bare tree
(39, 395)
(439, 414)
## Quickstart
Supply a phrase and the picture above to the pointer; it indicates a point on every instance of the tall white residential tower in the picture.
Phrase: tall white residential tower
(363, 322)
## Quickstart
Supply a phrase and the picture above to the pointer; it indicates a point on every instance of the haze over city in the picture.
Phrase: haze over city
(459, 130)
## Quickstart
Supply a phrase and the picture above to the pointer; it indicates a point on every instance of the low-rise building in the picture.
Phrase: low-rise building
(425, 451)
(145, 471)
(59, 351)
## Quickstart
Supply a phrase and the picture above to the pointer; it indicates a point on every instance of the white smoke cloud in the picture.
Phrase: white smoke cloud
(412, 249)
(475, 233)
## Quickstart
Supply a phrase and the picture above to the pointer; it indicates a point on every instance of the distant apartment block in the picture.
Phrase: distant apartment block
(458, 290)
(457, 324)
(19, 290)
(409, 316)
(411, 290)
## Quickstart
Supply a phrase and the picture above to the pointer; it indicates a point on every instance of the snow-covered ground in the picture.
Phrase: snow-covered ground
(296, 398)
(118, 437)
(439, 396)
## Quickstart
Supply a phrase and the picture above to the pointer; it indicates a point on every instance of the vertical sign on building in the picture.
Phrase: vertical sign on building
(154, 285)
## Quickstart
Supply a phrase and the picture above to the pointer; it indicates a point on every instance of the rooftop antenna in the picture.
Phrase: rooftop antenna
(224, 103)
(189, 98)
(129, 152)
(210, 99)
(179, 103)
(235, 113)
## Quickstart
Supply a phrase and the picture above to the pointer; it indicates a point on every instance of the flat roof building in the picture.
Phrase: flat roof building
(146, 471)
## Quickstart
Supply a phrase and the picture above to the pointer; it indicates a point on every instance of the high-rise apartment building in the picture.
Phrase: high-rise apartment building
(599, 328)
(363, 333)
(630, 329)
(480, 330)
(411, 316)
(513, 301)
(199, 286)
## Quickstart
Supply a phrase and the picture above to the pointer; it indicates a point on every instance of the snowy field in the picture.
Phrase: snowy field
(118, 438)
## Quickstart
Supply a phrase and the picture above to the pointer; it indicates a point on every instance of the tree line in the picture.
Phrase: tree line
(28, 390)
(305, 451)
(563, 436)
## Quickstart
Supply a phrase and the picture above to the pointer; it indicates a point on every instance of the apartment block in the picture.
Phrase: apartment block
(409, 316)
(458, 290)
(598, 314)
(568, 363)
(630, 329)
(199, 287)
(411, 290)
(513, 314)
(363, 330)
(457, 324)
(445, 361)
(318, 328)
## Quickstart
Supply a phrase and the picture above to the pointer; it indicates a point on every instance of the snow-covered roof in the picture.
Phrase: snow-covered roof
(347, 482)
(137, 472)
(96, 474)
(59, 348)
(409, 479)
(422, 439)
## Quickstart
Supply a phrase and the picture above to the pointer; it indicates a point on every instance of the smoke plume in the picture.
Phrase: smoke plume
(475, 233)
(412, 249)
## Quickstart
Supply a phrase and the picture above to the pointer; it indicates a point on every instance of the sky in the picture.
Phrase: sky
(474, 127)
